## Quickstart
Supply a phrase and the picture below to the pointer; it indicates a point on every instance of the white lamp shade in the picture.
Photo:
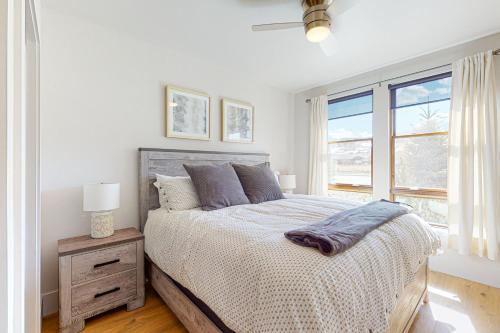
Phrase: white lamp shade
(287, 182)
(101, 197)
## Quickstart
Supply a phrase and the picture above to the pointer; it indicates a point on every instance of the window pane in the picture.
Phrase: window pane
(353, 196)
(350, 163)
(421, 161)
(424, 118)
(431, 210)
(423, 92)
(350, 107)
(355, 127)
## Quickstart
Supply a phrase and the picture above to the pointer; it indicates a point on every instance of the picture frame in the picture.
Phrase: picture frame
(187, 113)
(238, 121)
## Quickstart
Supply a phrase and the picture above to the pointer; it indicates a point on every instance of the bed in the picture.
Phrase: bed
(233, 270)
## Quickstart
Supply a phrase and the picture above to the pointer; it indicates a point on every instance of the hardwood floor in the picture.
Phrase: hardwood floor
(154, 317)
(456, 305)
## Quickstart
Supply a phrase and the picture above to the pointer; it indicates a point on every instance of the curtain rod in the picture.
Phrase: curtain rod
(495, 52)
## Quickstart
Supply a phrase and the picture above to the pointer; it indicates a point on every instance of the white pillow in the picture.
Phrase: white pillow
(176, 193)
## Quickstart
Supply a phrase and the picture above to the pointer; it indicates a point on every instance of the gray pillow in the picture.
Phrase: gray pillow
(217, 186)
(259, 182)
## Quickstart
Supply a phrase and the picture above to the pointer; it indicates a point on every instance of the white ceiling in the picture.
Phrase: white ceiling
(370, 35)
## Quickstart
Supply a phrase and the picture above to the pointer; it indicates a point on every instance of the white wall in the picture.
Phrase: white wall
(470, 267)
(102, 98)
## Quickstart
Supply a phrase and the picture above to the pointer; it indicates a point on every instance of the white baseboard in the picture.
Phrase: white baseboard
(50, 302)
(471, 267)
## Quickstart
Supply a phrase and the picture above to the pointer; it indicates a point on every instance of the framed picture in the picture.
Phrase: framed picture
(187, 114)
(237, 121)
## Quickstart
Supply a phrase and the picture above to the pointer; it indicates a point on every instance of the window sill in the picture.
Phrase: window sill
(350, 188)
(423, 193)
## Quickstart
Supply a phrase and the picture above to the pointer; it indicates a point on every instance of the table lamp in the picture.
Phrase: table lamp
(101, 199)
(287, 183)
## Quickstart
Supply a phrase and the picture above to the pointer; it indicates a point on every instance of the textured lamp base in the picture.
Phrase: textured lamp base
(101, 225)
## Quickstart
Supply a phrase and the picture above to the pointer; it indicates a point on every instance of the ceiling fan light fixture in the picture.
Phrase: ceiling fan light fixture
(318, 34)
(316, 20)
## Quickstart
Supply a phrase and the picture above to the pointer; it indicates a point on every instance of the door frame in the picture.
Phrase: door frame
(20, 309)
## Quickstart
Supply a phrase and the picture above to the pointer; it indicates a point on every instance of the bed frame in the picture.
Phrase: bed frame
(170, 162)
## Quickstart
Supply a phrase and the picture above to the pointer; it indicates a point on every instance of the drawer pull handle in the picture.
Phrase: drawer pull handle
(106, 263)
(106, 292)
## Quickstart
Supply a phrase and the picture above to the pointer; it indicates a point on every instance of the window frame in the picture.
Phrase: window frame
(354, 187)
(430, 193)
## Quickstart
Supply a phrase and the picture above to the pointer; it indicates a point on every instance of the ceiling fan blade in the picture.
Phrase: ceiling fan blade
(330, 45)
(277, 26)
(338, 7)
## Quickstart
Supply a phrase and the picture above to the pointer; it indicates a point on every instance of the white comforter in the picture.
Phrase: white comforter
(239, 263)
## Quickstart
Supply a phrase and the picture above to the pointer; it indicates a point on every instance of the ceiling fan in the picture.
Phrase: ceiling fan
(316, 21)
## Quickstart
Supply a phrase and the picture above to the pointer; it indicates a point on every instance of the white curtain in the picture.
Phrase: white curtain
(318, 147)
(474, 158)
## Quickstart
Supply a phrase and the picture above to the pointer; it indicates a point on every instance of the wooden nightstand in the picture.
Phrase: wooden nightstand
(96, 275)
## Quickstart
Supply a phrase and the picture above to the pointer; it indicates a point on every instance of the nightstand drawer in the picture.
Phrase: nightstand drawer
(93, 265)
(94, 295)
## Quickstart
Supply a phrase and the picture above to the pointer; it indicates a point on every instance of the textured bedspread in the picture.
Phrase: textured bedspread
(238, 262)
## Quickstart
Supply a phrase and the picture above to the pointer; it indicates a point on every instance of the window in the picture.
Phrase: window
(420, 111)
(350, 143)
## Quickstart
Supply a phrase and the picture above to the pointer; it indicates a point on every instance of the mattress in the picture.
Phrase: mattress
(237, 261)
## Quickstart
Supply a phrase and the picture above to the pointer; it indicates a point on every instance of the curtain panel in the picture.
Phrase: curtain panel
(474, 158)
(318, 147)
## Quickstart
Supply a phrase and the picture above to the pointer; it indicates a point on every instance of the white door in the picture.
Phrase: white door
(19, 168)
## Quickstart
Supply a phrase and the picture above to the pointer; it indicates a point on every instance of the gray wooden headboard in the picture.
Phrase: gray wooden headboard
(169, 162)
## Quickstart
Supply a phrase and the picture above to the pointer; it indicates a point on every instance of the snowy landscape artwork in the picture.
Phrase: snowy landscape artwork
(188, 114)
(237, 121)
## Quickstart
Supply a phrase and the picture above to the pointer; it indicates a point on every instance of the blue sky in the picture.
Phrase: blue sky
(350, 127)
(420, 93)
(407, 118)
